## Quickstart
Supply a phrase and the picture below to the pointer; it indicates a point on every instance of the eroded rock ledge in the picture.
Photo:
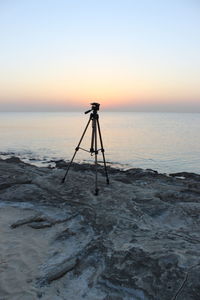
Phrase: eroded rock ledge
(138, 239)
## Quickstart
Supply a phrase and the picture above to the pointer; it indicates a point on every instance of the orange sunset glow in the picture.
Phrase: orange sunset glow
(123, 57)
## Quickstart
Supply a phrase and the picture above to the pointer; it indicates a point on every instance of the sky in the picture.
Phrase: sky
(60, 55)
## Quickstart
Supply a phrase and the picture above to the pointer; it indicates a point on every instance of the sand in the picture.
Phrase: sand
(22, 251)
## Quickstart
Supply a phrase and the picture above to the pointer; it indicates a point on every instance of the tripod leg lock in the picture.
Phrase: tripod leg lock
(77, 148)
(102, 150)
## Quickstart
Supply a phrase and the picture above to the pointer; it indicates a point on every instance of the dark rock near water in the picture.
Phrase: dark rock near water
(13, 159)
(186, 175)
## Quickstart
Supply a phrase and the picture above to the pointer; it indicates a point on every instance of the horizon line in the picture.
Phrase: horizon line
(103, 110)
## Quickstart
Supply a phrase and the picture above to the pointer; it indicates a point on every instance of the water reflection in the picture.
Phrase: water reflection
(167, 142)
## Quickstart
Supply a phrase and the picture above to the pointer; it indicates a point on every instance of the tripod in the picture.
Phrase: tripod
(94, 118)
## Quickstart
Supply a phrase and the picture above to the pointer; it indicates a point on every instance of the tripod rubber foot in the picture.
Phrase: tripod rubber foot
(63, 180)
(108, 182)
(96, 192)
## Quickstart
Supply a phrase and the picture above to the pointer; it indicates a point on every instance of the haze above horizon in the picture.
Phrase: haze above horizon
(127, 55)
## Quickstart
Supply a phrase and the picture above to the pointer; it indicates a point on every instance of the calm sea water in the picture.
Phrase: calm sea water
(167, 142)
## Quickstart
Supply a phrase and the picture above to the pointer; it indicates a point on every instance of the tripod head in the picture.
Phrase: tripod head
(94, 109)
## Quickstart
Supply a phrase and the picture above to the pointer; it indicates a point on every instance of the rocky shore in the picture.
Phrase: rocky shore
(138, 239)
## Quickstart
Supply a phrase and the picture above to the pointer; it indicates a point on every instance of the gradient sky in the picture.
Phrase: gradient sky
(126, 54)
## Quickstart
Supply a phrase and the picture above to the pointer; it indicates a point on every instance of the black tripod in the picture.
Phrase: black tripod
(94, 117)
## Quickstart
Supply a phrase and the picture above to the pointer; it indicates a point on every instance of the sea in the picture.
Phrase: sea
(166, 142)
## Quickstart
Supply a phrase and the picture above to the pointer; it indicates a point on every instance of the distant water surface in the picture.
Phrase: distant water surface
(167, 142)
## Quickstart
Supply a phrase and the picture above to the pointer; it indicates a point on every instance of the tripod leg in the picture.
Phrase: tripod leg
(102, 150)
(93, 134)
(77, 148)
(68, 167)
(96, 153)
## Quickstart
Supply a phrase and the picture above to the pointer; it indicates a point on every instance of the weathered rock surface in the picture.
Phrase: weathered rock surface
(138, 239)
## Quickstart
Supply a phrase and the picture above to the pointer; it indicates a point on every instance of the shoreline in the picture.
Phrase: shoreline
(139, 238)
(52, 163)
